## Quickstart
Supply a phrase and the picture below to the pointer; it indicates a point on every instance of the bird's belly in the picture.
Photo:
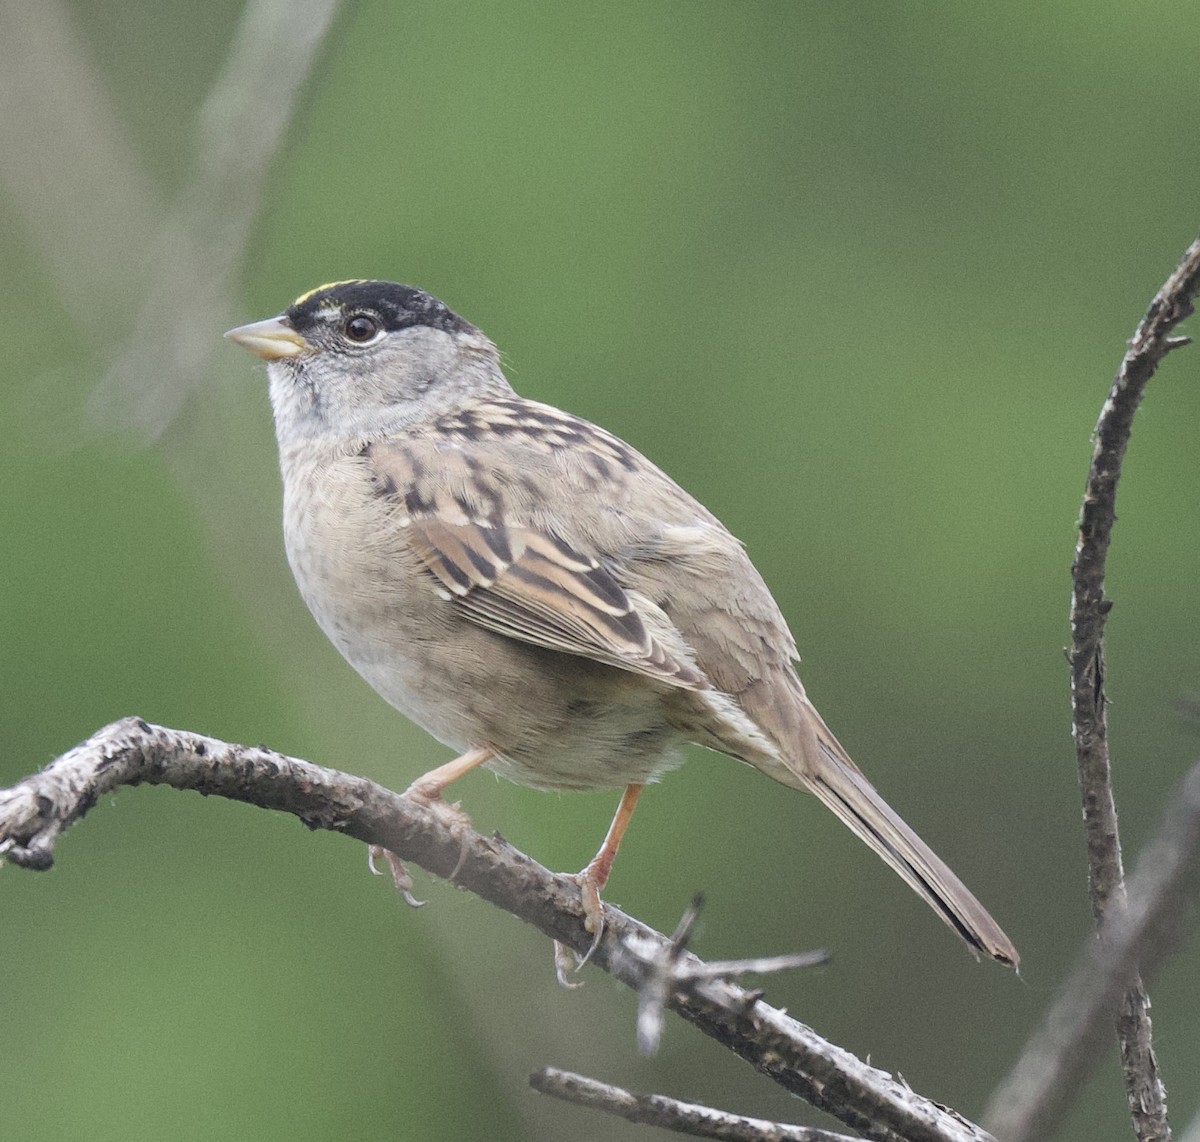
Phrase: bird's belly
(556, 721)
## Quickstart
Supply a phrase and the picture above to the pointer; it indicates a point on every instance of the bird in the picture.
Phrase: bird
(533, 591)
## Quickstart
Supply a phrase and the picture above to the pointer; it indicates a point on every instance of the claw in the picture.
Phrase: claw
(593, 910)
(400, 878)
(565, 962)
(427, 792)
(462, 856)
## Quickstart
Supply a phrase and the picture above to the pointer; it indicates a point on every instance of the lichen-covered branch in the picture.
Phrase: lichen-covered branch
(34, 813)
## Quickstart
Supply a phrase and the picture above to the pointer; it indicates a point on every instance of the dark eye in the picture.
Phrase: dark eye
(361, 327)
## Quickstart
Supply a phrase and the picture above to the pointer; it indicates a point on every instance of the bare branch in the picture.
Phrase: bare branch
(132, 752)
(110, 239)
(662, 968)
(1089, 607)
(1058, 1059)
(670, 1113)
(198, 250)
(1089, 610)
(89, 231)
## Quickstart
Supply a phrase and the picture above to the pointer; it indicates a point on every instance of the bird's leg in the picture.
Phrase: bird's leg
(594, 877)
(427, 791)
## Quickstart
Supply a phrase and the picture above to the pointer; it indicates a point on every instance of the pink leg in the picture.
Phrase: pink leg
(593, 879)
(595, 876)
(428, 787)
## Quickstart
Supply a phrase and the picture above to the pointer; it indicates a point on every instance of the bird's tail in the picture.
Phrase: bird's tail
(828, 772)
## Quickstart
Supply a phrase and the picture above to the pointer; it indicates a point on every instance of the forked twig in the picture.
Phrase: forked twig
(663, 967)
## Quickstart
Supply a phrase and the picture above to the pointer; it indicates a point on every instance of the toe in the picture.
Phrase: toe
(450, 814)
(593, 909)
(565, 963)
(400, 877)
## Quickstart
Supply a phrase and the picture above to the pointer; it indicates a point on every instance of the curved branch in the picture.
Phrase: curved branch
(34, 813)
(1089, 610)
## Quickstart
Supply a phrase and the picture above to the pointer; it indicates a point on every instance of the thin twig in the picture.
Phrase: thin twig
(1057, 1061)
(35, 812)
(197, 254)
(663, 968)
(671, 1114)
(126, 260)
(1089, 609)
(660, 965)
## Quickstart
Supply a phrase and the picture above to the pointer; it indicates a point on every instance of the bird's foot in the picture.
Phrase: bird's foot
(590, 881)
(449, 813)
(400, 877)
(566, 962)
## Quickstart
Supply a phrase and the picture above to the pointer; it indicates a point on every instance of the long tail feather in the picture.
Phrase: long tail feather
(834, 778)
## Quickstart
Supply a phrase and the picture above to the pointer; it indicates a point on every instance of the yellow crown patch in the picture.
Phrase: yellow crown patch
(328, 285)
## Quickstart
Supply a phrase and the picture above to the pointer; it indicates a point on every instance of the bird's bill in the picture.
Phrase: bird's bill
(271, 340)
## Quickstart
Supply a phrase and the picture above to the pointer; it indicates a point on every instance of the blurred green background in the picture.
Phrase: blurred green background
(857, 275)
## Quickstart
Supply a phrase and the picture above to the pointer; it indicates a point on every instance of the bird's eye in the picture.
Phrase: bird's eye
(361, 327)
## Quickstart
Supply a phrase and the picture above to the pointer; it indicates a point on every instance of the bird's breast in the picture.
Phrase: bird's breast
(557, 721)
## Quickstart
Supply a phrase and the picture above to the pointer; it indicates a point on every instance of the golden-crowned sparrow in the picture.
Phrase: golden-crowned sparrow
(530, 589)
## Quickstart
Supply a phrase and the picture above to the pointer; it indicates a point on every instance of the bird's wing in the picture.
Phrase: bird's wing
(518, 578)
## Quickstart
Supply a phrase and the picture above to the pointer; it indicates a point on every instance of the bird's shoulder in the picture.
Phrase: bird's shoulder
(519, 463)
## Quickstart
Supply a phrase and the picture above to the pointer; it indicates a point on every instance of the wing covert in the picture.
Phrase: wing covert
(522, 581)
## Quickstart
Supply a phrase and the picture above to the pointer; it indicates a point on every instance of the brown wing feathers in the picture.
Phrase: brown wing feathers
(523, 582)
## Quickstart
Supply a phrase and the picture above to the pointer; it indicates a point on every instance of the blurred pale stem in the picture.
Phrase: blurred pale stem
(1073, 1036)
